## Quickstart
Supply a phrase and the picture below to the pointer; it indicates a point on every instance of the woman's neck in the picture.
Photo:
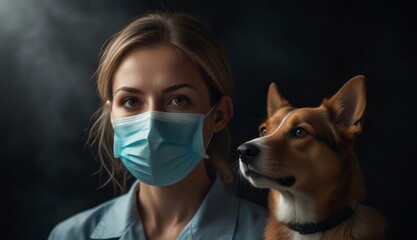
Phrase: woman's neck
(163, 209)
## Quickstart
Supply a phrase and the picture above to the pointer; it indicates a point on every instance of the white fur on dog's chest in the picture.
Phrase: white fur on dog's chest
(298, 236)
(296, 207)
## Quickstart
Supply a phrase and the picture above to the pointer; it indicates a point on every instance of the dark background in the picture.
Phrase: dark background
(49, 52)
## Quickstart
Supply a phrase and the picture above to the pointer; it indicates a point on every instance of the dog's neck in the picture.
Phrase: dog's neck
(326, 224)
(295, 207)
(298, 212)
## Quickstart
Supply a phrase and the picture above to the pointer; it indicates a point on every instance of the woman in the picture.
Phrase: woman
(165, 86)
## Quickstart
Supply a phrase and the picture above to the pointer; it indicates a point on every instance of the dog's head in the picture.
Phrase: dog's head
(310, 148)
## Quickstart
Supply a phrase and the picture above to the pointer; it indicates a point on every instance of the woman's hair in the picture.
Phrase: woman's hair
(184, 32)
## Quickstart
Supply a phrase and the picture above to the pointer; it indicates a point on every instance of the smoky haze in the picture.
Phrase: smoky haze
(49, 52)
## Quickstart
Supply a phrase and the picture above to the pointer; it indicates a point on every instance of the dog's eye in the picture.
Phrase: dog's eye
(263, 131)
(298, 132)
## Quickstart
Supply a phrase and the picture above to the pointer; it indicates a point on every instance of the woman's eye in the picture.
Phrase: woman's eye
(299, 132)
(263, 131)
(180, 101)
(130, 102)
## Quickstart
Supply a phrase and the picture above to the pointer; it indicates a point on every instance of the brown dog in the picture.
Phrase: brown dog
(305, 157)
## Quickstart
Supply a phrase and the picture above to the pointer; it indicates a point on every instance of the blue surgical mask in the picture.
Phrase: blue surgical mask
(160, 148)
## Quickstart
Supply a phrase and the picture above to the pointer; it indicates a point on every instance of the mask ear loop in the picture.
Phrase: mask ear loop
(211, 136)
(211, 110)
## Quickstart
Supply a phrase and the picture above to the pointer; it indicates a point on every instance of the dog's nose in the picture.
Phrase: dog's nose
(247, 152)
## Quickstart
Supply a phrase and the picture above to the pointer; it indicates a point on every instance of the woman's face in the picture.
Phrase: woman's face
(158, 78)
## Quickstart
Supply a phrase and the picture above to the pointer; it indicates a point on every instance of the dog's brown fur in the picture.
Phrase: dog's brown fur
(314, 145)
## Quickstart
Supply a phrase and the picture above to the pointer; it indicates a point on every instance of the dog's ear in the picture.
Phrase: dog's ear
(275, 99)
(348, 105)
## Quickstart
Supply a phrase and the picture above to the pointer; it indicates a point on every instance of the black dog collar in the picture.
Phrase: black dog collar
(330, 222)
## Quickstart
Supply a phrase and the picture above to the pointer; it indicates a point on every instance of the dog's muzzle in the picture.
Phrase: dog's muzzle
(247, 152)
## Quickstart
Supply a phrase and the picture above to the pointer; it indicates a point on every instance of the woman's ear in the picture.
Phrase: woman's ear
(108, 105)
(222, 113)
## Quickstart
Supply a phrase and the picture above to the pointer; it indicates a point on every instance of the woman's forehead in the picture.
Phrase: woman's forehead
(157, 66)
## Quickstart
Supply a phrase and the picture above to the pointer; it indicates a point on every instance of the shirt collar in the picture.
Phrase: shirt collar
(119, 217)
(216, 216)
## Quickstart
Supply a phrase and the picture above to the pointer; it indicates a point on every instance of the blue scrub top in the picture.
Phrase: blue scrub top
(221, 215)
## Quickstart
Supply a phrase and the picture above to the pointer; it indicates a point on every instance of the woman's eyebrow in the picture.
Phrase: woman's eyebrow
(166, 90)
(177, 86)
(129, 89)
